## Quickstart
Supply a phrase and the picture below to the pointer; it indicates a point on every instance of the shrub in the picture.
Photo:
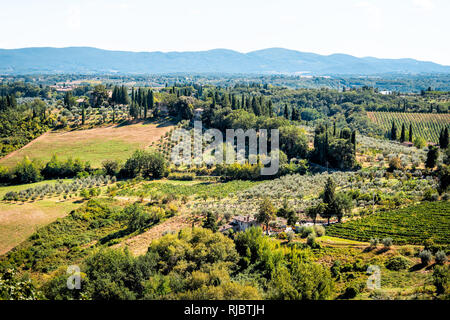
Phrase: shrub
(311, 240)
(353, 289)
(26, 171)
(306, 231)
(65, 169)
(395, 164)
(441, 279)
(398, 263)
(111, 167)
(319, 230)
(430, 195)
(145, 164)
(138, 218)
(441, 257)
(374, 242)
(425, 256)
(387, 242)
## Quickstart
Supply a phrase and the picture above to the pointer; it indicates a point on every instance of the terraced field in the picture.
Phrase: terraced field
(425, 125)
(411, 225)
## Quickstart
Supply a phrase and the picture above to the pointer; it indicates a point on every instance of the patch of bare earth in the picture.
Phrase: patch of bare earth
(138, 244)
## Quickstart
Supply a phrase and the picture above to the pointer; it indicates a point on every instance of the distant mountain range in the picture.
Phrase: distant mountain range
(85, 60)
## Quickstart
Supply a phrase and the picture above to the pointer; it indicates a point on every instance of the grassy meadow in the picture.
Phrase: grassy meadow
(94, 145)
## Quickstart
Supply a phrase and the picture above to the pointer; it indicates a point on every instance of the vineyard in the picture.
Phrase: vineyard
(425, 125)
(411, 225)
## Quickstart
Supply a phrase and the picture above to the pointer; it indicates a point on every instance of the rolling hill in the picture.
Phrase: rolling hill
(87, 60)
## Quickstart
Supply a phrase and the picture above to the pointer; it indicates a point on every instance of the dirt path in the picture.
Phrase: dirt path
(138, 244)
(9, 155)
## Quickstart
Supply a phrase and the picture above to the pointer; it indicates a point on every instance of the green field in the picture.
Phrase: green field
(187, 188)
(425, 125)
(93, 145)
(411, 225)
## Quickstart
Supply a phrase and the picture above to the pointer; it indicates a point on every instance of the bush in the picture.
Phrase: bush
(395, 164)
(306, 231)
(430, 195)
(387, 242)
(441, 257)
(65, 169)
(111, 167)
(26, 171)
(374, 242)
(145, 164)
(398, 263)
(319, 230)
(353, 290)
(138, 218)
(441, 279)
(311, 240)
(425, 256)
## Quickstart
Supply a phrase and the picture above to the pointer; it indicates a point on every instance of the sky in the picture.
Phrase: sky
(416, 29)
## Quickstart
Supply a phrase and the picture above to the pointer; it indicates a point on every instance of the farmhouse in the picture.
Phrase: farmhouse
(240, 223)
(408, 144)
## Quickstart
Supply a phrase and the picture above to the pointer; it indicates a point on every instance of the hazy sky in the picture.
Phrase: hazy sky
(417, 29)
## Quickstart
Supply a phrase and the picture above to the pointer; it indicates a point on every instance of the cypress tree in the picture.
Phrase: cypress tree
(402, 135)
(444, 139)
(83, 115)
(432, 156)
(410, 133)
(150, 100)
(393, 131)
(286, 111)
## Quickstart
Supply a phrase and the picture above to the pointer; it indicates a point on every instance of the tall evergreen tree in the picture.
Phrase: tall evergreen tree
(354, 138)
(286, 111)
(83, 114)
(443, 139)
(402, 134)
(432, 156)
(150, 100)
(410, 133)
(393, 131)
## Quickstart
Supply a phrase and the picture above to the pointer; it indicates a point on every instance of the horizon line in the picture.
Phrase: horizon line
(224, 49)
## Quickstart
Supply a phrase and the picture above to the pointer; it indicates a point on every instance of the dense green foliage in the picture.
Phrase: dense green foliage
(145, 164)
(19, 124)
(199, 264)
